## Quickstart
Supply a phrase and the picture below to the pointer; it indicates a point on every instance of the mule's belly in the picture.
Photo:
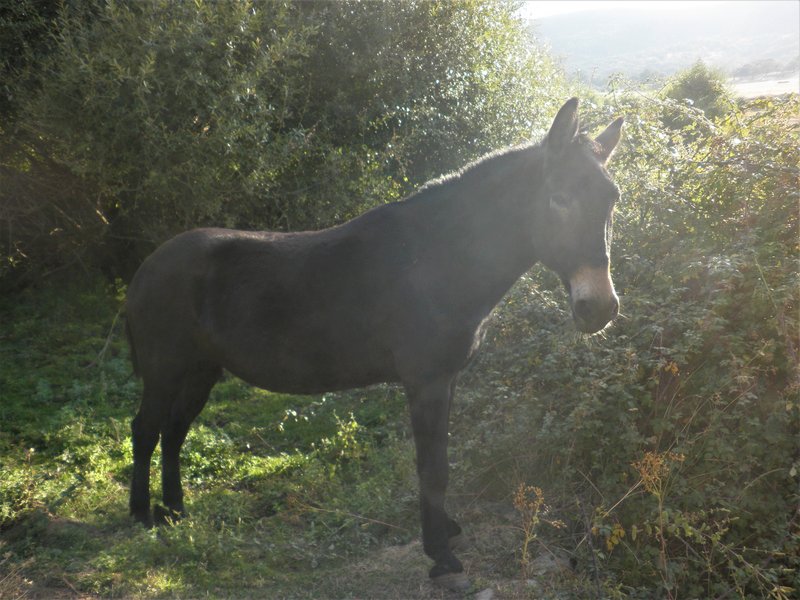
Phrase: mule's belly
(329, 353)
(295, 363)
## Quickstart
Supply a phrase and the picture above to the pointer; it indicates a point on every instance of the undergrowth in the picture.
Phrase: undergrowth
(668, 444)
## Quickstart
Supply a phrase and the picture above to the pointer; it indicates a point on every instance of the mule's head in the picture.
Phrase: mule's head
(574, 211)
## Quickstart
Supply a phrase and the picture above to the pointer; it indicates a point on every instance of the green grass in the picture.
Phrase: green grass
(277, 486)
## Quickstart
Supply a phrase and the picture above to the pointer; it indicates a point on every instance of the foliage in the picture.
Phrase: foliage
(143, 119)
(26, 28)
(701, 87)
(669, 443)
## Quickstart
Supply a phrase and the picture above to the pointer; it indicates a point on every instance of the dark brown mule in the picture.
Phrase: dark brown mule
(399, 294)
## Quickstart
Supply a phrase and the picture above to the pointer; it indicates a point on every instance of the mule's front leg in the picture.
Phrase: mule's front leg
(430, 407)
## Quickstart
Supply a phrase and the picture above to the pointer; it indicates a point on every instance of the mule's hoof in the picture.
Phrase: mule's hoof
(143, 517)
(166, 516)
(455, 582)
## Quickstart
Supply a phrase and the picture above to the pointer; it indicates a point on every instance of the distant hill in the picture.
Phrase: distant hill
(646, 44)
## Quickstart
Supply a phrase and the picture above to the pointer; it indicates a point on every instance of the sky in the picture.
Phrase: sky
(533, 9)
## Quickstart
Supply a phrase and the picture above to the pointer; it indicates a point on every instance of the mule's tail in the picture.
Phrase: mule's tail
(134, 359)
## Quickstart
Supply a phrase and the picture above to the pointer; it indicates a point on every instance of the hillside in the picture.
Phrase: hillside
(638, 44)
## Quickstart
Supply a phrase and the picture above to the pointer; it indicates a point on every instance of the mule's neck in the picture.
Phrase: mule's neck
(480, 223)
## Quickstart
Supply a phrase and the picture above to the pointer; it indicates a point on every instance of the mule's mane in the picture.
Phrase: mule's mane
(491, 165)
(487, 166)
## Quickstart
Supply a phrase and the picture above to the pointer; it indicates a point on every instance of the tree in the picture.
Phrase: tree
(158, 116)
(703, 88)
(758, 68)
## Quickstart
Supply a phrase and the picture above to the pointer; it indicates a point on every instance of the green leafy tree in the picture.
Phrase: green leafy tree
(700, 87)
(153, 117)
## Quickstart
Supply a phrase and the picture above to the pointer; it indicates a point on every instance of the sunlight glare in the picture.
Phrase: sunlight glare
(539, 9)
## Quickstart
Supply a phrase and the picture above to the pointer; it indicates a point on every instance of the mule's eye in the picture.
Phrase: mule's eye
(559, 202)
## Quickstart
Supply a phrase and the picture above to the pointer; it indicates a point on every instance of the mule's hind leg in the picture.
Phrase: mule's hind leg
(145, 431)
(196, 388)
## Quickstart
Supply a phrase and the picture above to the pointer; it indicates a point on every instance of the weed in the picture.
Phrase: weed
(529, 503)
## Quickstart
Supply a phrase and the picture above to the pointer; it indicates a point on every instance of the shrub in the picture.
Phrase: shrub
(700, 88)
(670, 442)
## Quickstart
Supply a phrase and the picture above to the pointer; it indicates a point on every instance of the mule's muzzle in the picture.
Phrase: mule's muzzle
(594, 301)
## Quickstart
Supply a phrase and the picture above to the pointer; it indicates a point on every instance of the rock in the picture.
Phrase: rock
(545, 564)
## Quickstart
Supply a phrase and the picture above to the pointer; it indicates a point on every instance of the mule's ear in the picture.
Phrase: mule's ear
(564, 127)
(608, 140)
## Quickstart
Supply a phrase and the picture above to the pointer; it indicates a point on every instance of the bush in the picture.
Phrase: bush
(669, 445)
(699, 88)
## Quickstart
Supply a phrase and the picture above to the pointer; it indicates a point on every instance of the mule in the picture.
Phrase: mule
(401, 294)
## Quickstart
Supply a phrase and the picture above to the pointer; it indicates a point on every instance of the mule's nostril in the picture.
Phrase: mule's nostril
(582, 309)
